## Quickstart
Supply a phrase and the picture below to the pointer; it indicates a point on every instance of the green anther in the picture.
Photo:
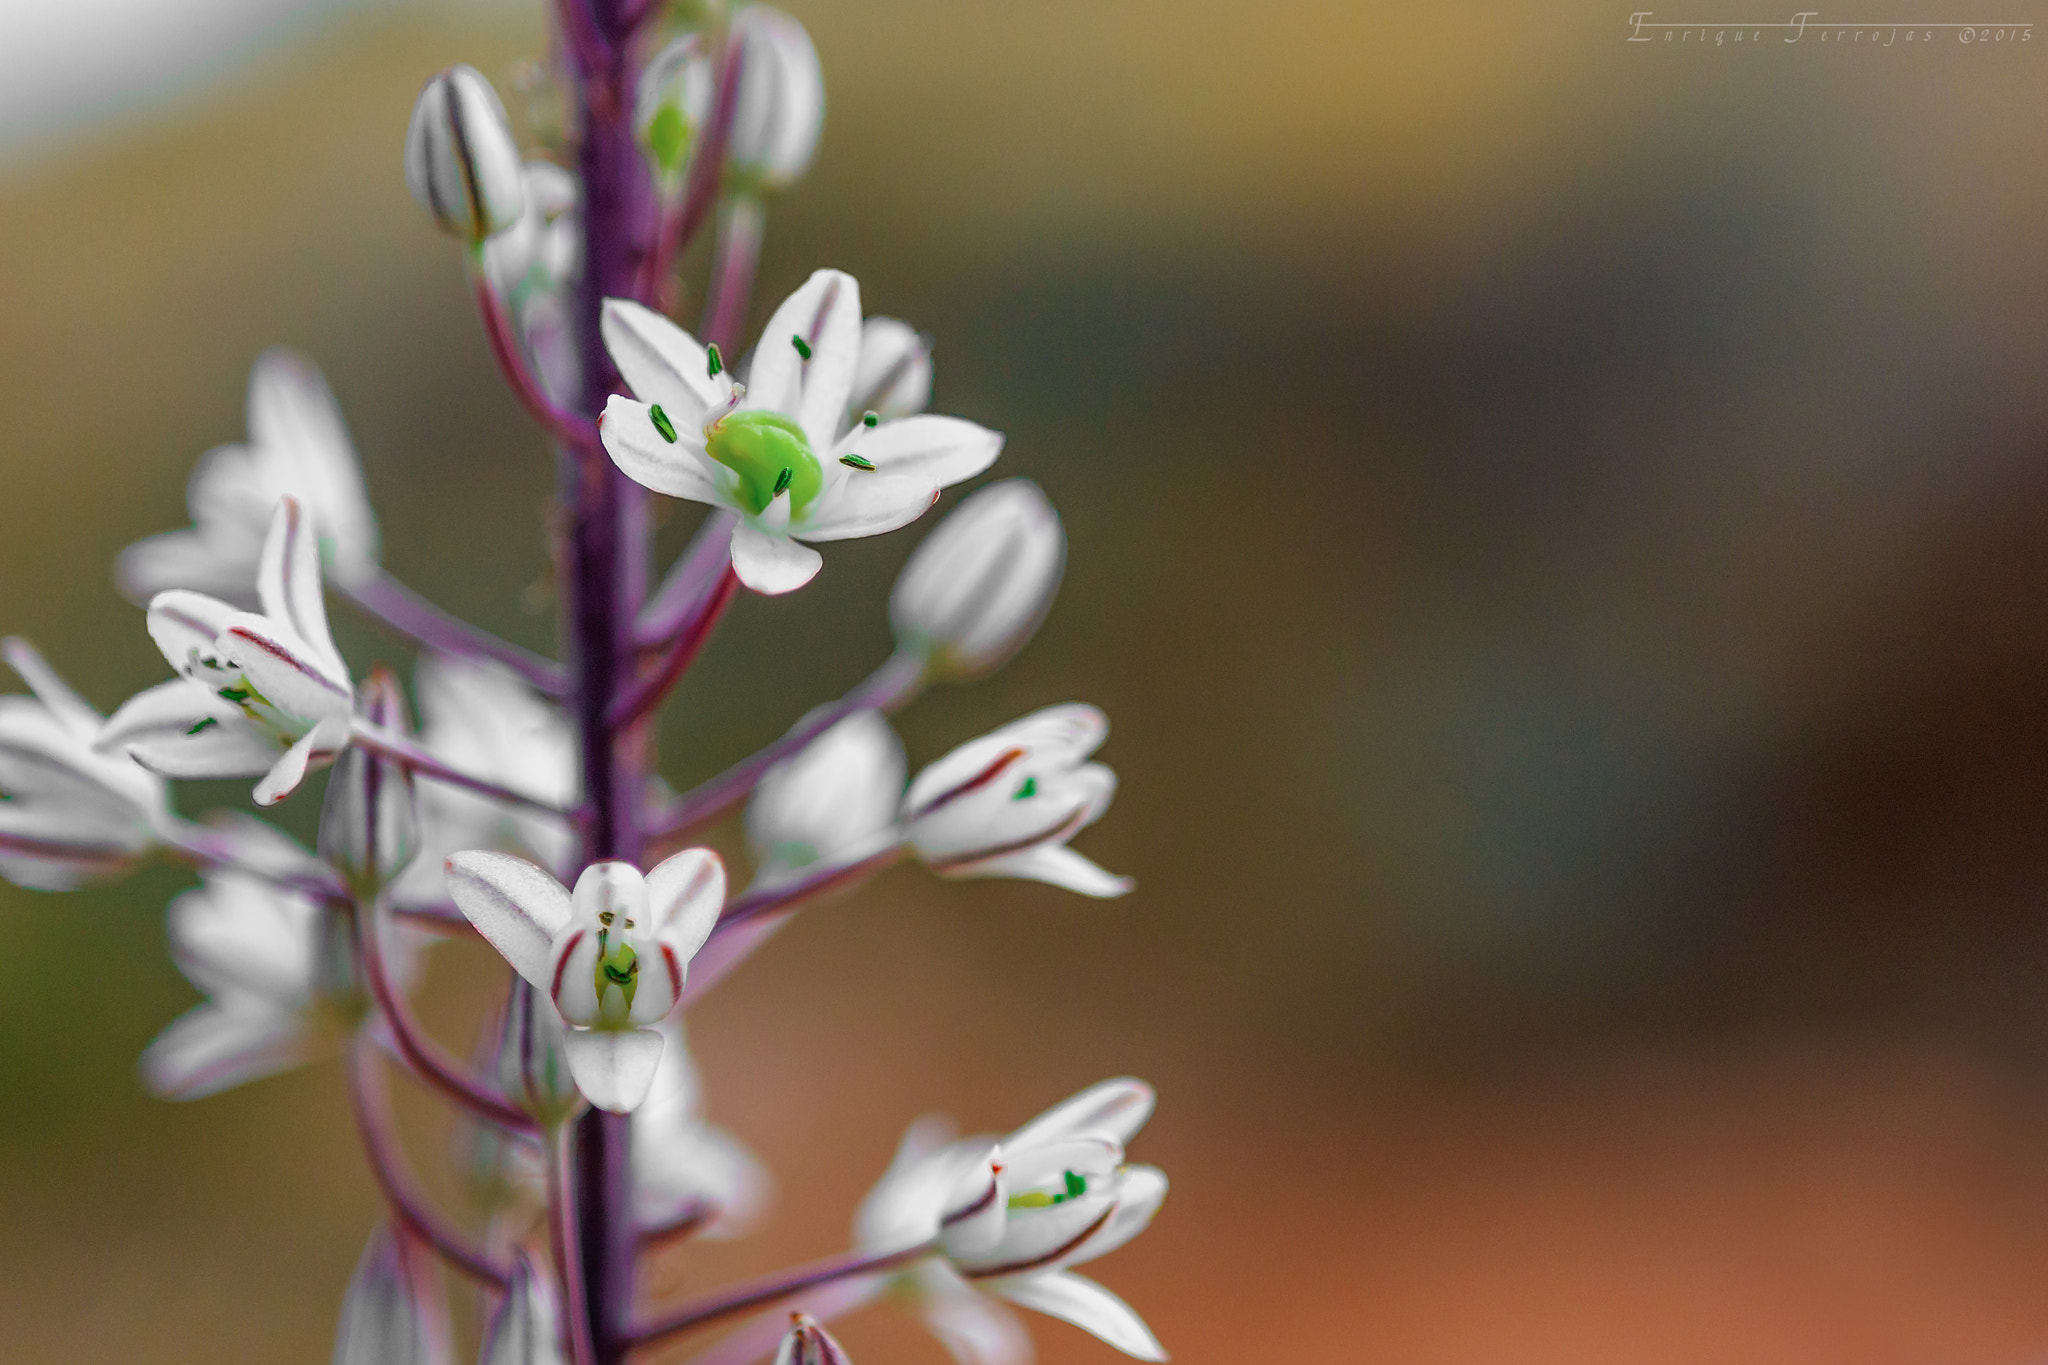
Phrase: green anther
(1077, 1184)
(1027, 791)
(716, 362)
(237, 695)
(868, 419)
(205, 722)
(771, 455)
(856, 462)
(803, 348)
(662, 424)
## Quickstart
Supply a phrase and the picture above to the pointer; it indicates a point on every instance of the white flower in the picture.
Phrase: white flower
(297, 447)
(480, 718)
(1013, 1216)
(257, 693)
(278, 971)
(394, 1312)
(70, 813)
(833, 801)
(460, 160)
(894, 376)
(781, 100)
(613, 957)
(679, 1160)
(525, 1328)
(670, 106)
(778, 450)
(1004, 805)
(977, 586)
(809, 1344)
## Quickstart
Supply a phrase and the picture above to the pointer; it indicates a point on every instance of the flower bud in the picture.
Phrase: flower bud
(531, 1065)
(526, 1328)
(542, 251)
(460, 159)
(894, 375)
(394, 1312)
(370, 826)
(671, 104)
(781, 100)
(809, 1344)
(834, 800)
(977, 587)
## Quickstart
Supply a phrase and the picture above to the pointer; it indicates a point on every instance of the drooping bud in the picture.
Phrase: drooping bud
(894, 376)
(461, 162)
(394, 1312)
(369, 826)
(977, 587)
(809, 1344)
(781, 100)
(670, 106)
(526, 1328)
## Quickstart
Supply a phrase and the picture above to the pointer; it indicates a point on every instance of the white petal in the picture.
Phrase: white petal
(185, 625)
(1118, 1107)
(723, 952)
(1139, 1192)
(1055, 864)
(772, 565)
(1086, 1304)
(516, 906)
(210, 1049)
(293, 417)
(71, 711)
(291, 672)
(393, 1312)
(976, 1331)
(679, 469)
(685, 894)
(288, 584)
(662, 363)
(825, 312)
(939, 450)
(185, 559)
(317, 746)
(614, 1068)
(525, 1328)
(868, 505)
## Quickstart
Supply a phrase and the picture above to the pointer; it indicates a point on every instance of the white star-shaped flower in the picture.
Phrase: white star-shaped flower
(782, 451)
(613, 956)
(258, 693)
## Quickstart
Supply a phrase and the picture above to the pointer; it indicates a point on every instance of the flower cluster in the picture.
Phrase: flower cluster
(523, 808)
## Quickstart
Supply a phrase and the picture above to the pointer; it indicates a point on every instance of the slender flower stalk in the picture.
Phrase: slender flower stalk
(771, 1288)
(392, 604)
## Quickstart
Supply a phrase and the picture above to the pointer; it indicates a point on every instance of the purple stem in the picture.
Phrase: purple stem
(886, 689)
(436, 917)
(695, 573)
(387, 1164)
(385, 599)
(569, 428)
(407, 754)
(773, 1287)
(695, 1215)
(751, 920)
(682, 652)
(707, 170)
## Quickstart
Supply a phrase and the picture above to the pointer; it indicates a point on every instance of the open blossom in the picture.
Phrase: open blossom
(681, 1161)
(257, 693)
(976, 588)
(482, 719)
(1005, 805)
(613, 956)
(297, 447)
(70, 813)
(833, 801)
(782, 450)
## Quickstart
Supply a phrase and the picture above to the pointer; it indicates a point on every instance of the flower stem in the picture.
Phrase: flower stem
(738, 1300)
(568, 428)
(407, 754)
(740, 228)
(886, 689)
(682, 651)
(748, 922)
(386, 600)
(565, 1238)
(387, 1164)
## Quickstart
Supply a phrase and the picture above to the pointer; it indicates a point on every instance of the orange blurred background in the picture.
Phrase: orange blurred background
(1556, 525)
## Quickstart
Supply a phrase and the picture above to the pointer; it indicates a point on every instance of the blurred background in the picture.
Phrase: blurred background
(1557, 526)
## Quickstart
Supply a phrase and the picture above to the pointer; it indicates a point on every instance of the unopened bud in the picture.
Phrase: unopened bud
(893, 377)
(781, 100)
(394, 1312)
(809, 1344)
(525, 1329)
(370, 824)
(978, 586)
(672, 102)
(460, 159)
(531, 1065)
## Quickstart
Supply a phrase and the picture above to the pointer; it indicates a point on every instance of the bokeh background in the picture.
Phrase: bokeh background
(1557, 525)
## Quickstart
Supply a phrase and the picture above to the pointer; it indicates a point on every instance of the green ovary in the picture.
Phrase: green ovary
(618, 968)
(1075, 1184)
(769, 453)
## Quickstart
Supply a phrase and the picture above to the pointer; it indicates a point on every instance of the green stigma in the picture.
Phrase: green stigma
(1075, 1184)
(803, 348)
(662, 424)
(713, 359)
(668, 137)
(771, 455)
(852, 461)
(617, 965)
(1027, 791)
